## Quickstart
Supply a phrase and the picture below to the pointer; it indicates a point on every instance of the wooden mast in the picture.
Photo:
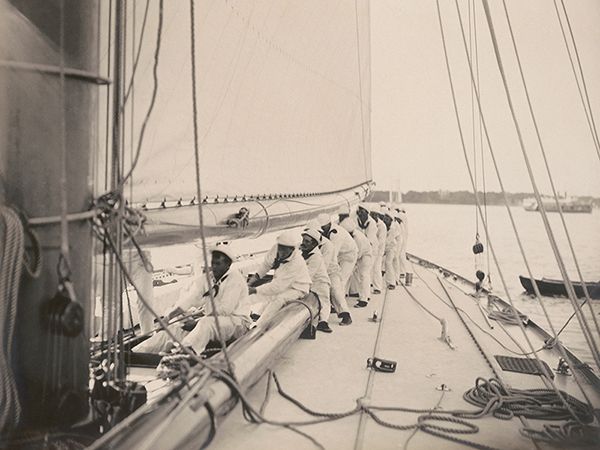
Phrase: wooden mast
(30, 166)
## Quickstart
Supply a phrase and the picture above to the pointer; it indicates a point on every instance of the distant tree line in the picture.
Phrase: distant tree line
(461, 197)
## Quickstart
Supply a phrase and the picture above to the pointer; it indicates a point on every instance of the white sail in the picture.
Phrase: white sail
(282, 105)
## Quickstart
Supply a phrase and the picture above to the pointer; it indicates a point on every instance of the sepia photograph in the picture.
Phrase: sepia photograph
(299, 224)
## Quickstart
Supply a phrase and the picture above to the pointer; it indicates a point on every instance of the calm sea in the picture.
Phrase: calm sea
(445, 234)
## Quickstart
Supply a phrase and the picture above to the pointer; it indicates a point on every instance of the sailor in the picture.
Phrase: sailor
(391, 243)
(337, 296)
(343, 212)
(396, 223)
(377, 277)
(361, 276)
(367, 225)
(345, 246)
(291, 280)
(229, 292)
(403, 239)
(321, 284)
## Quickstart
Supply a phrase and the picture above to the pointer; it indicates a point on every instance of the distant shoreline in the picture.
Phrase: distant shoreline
(463, 197)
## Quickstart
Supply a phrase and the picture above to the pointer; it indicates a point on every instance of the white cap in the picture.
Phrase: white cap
(225, 248)
(343, 210)
(289, 238)
(323, 219)
(348, 224)
(313, 223)
(363, 206)
(313, 233)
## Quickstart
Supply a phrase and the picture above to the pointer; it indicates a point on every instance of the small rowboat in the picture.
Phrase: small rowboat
(556, 288)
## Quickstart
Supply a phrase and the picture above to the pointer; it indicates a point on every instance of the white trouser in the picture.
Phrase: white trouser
(361, 277)
(338, 297)
(390, 271)
(323, 292)
(275, 302)
(346, 269)
(397, 263)
(140, 314)
(158, 342)
(206, 331)
(376, 276)
(403, 256)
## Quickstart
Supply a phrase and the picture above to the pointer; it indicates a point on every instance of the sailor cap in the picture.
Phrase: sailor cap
(348, 224)
(225, 248)
(313, 233)
(324, 219)
(289, 238)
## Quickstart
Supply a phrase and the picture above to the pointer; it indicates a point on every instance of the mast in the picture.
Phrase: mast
(56, 56)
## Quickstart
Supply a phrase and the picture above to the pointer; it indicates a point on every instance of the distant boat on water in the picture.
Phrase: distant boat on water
(556, 288)
(567, 205)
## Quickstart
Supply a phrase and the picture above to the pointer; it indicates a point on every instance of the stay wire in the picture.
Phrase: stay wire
(503, 282)
(509, 211)
(568, 284)
(199, 190)
(550, 177)
(583, 94)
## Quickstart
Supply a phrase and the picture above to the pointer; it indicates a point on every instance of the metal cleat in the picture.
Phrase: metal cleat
(381, 365)
(443, 387)
(563, 367)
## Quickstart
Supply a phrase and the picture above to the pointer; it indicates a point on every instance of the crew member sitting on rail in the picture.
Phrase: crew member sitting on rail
(230, 294)
(321, 284)
(337, 296)
(361, 276)
(291, 280)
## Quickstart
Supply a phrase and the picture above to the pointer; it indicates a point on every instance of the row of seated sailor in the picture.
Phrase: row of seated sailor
(329, 259)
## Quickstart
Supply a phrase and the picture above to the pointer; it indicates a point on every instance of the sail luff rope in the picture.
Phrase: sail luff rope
(547, 166)
(360, 89)
(462, 140)
(199, 189)
(510, 215)
(583, 83)
(570, 290)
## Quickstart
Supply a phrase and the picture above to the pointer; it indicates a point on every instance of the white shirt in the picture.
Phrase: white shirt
(330, 256)
(370, 231)
(318, 273)
(230, 298)
(344, 244)
(363, 244)
(291, 274)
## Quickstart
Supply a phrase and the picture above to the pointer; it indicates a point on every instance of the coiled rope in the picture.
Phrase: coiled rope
(11, 263)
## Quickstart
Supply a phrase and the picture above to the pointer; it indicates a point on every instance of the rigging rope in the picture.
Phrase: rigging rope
(570, 290)
(207, 272)
(583, 94)
(503, 282)
(153, 96)
(11, 263)
(543, 151)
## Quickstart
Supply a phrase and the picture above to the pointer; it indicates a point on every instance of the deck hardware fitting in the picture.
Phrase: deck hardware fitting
(381, 365)
(563, 367)
(443, 387)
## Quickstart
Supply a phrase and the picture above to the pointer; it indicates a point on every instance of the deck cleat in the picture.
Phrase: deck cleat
(563, 367)
(443, 388)
(381, 365)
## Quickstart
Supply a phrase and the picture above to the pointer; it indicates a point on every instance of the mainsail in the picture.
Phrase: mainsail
(282, 105)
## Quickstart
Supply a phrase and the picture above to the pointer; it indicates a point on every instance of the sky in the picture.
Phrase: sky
(415, 139)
